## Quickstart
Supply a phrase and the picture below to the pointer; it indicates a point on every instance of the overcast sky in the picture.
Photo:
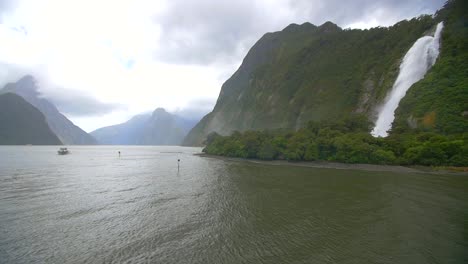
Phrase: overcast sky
(103, 61)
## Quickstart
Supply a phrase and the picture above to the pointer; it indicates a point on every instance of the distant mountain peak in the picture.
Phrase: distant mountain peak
(160, 113)
(295, 27)
(329, 27)
(27, 79)
(291, 27)
(27, 85)
(159, 128)
(159, 110)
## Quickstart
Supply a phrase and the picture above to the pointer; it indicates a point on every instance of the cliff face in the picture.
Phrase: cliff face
(305, 73)
(21, 123)
(68, 132)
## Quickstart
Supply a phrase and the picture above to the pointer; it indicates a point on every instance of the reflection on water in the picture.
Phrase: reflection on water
(92, 206)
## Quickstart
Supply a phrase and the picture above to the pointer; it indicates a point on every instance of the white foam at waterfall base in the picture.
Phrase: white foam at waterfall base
(417, 61)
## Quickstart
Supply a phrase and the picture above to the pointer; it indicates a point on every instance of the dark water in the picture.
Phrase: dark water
(92, 207)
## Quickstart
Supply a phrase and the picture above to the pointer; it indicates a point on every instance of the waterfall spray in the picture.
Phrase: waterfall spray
(417, 61)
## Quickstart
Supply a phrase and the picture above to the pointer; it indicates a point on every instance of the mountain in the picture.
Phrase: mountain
(163, 128)
(158, 128)
(317, 73)
(21, 123)
(128, 133)
(67, 132)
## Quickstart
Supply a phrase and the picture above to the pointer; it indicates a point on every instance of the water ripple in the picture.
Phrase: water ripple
(92, 207)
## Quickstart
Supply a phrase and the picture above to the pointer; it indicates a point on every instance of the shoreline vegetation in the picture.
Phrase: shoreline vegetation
(345, 166)
(346, 141)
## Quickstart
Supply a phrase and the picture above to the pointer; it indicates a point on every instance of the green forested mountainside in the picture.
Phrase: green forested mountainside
(305, 73)
(346, 140)
(21, 123)
(439, 102)
(308, 73)
(431, 125)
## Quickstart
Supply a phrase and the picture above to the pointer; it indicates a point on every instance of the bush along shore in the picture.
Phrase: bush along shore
(346, 141)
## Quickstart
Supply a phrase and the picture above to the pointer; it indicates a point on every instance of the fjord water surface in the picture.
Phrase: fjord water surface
(92, 206)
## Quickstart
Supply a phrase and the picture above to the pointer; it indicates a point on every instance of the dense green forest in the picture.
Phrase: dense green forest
(347, 140)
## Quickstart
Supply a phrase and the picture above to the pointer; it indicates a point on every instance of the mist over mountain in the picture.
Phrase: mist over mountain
(157, 128)
(21, 123)
(128, 133)
(67, 132)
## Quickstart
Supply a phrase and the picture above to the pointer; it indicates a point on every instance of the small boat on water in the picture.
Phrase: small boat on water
(63, 151)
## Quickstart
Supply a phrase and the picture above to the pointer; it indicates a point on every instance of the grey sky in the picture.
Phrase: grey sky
(196, 109)
(78, 104)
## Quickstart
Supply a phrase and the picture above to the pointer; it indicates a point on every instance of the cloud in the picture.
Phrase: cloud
(195, 109)
(78, 104)
(205, 31)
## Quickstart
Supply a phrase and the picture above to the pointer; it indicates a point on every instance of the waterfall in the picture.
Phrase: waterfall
(417, 61)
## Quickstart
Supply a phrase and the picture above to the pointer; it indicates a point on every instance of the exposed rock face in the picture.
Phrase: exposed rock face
(21, 123)
(67, 132)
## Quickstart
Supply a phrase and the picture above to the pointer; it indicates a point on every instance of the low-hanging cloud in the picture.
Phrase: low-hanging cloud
(196, 109)
(206, 31)
(77, 104)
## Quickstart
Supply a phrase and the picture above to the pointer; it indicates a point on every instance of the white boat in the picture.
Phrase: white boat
(63, 151)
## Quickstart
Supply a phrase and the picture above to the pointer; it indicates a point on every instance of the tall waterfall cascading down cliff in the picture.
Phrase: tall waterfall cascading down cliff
(417, 61)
